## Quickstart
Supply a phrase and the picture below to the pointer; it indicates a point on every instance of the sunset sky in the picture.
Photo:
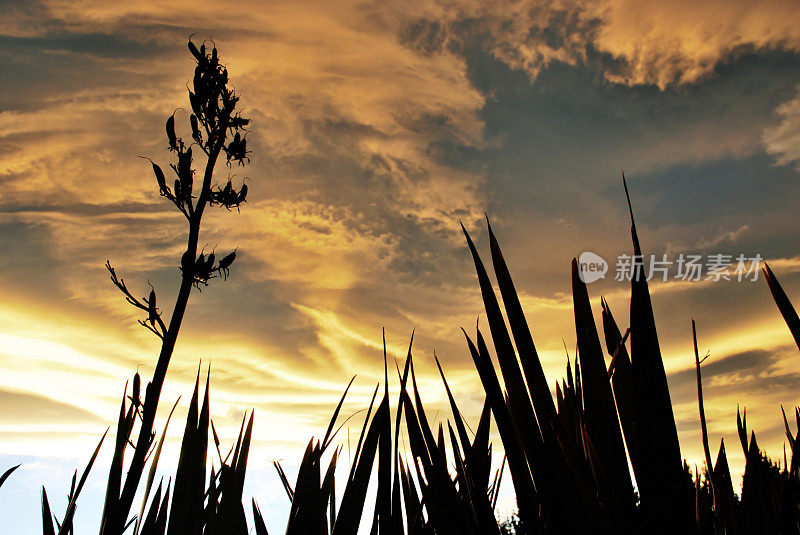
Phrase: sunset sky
(376, 128)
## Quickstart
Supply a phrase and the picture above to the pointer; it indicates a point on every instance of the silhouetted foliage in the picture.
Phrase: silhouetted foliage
(568, 460)
(217, 128)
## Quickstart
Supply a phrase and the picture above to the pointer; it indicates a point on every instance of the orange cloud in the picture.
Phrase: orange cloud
(680, 41)
(351, 223)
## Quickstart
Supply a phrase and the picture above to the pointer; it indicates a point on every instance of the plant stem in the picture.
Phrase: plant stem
(153, 391)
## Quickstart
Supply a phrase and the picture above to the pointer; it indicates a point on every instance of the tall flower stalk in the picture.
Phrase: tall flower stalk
(218, 130)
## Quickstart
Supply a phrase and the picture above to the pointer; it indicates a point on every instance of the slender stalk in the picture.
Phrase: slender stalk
(704, 429)
(153, 392)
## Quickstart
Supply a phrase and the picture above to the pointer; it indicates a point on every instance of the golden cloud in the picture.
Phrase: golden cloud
(347, 200)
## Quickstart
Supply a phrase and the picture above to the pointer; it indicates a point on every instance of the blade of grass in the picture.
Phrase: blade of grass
(663, 492)
(258, 520)
(148, 523)
(356, 490)
(7, 473)
(600, 414)
(622, 382)
(47, 516)
(518, 465)
(784, 305)
(66, 524)
(152, 474)
(328, 436)
(531, 365)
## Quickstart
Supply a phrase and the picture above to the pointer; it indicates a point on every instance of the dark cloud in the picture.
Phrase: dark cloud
(425, 36)
(745, 372)
(721, 192)
(83, 209)
(369, 145)
(29, 263)
(100, 45)
(693, 155)
(47, 67)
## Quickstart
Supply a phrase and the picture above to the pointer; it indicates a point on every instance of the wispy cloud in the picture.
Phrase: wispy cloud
(783, 140)
(376, 129)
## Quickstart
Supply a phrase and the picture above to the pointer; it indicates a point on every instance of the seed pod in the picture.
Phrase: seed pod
(195, 128)
(242, 194)
(160, 178)
(209, 265)
(173, 140)
(227, 260)
(230, 103)
(214, 56)
(238, 122)
(194, 51)
(151, 308)
(137, 384)
(199, 83)
(194, 100)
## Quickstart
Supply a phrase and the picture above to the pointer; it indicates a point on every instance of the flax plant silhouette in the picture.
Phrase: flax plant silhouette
(217, 130)
(573, 463)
